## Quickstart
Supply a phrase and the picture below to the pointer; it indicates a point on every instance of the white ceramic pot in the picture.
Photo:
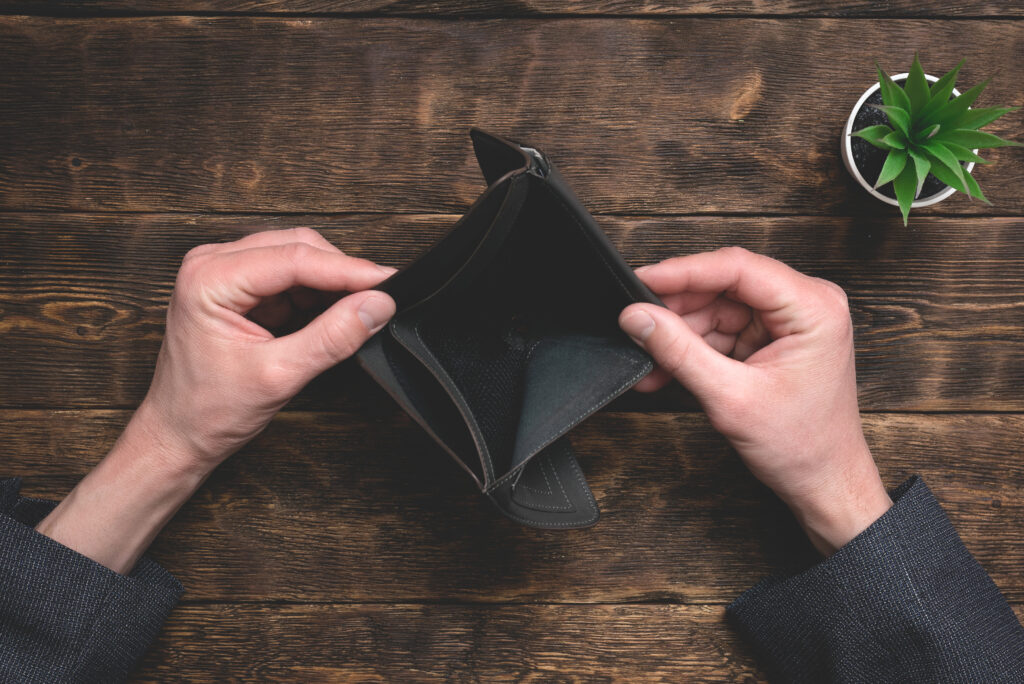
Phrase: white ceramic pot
(846, 146)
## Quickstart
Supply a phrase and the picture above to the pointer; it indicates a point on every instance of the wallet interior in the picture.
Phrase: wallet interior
(509, 337)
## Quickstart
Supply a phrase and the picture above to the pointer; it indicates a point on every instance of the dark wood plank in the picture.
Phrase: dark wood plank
(327, 115)
(938, 307)
(342, 507)
(440, 643)
(453, 8)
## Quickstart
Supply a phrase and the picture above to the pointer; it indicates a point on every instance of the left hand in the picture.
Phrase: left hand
(220, 377)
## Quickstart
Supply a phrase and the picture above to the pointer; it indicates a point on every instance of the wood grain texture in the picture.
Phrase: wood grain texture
(417, 643)
(441, 643)
(353, 508)
(329, 115)
(455, 8)
(938, 307)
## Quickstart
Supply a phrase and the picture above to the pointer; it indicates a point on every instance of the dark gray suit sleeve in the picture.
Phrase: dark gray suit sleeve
(902, 602)
(64, 617)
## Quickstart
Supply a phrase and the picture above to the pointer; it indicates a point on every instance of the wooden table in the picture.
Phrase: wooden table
(342, 544)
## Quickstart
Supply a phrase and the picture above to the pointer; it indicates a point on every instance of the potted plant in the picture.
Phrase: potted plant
(912, 140)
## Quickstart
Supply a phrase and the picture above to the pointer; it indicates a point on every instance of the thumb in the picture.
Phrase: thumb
(337, 333)
(680, 351)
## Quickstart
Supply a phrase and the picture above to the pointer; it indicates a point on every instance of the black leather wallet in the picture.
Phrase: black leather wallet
(506, 336)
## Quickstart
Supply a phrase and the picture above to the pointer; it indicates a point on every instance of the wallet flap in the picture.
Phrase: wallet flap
(549, 492)
(561, 389)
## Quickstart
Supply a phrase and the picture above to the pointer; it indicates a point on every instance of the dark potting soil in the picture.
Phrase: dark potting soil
(869, 159)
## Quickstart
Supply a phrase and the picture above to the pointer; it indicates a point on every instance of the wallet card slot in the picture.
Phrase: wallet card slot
(421, 395)
(439, 265)
(406, 326)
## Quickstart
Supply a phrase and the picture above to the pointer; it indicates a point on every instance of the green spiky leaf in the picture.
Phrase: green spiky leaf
(905, 185)
(974, 139)
(974, 190)
(941, 90)
(916, 87)
(885, 87)
(894, 164)
(938, 151)
(896, 140)
(974, 119)
(921, 168)
(942, 172)
(898, 117)
(874, 135)
(957, 106)
(922, 136)
(962, 153)
(892, 94)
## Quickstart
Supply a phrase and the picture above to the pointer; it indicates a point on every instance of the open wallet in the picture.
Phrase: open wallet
(506, 337)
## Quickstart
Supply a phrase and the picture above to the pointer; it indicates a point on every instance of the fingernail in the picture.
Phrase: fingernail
(638, 324)
(387, 269)
(375, 311)
(641, 269)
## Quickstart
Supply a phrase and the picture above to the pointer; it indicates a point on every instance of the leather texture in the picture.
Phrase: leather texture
(506, 336)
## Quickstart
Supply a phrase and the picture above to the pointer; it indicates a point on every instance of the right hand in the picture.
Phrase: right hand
(769, 354)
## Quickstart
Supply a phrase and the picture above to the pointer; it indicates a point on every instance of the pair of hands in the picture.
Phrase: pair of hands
(767, 351)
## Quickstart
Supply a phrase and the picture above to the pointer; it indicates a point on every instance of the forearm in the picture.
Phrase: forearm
(115, 512)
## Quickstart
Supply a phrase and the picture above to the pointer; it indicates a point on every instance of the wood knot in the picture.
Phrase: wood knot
(748, 95)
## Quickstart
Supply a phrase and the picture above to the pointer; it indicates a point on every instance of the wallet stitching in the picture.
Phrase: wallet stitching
(552, 436)
(544, 472)
(587, 493)
(549, 508)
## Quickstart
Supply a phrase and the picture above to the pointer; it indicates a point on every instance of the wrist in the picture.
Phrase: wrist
(836, 512)
(152, 436)
(114, 513)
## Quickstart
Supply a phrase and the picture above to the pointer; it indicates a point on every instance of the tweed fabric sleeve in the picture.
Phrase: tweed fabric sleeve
(904, 601)
(64, 617)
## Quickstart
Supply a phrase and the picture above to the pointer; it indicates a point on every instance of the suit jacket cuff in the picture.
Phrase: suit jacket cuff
(63, 616)
(902, 601)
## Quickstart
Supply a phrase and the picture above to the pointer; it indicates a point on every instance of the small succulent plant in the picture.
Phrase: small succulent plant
(930, 133)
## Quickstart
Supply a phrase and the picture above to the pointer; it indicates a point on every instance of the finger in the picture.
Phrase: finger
(334, 335)
(685, 302)
(751, 339)
(251, 274)
(681, 351)
(722, 315)
(756, 280)
(654, 380)
(721, 342)
(268, 238)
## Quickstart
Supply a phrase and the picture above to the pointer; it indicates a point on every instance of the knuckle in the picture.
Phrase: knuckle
(306, 233)
(673, 351)
(190, 271)
(837, 299)
(296, 252)
(735, 252)
(273, 376)
(195, 253)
